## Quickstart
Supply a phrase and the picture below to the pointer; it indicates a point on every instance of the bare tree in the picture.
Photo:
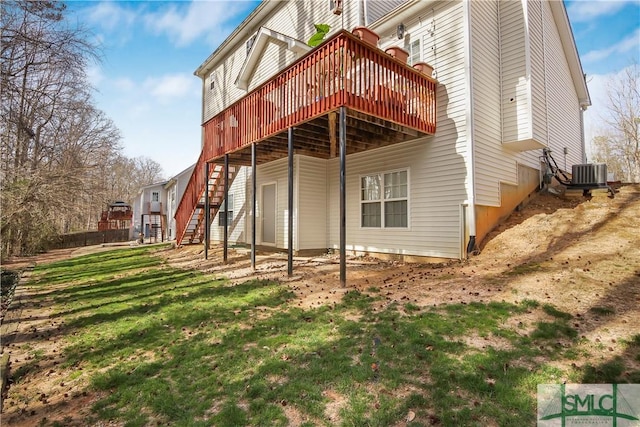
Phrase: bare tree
(618, 144)
(52, 135)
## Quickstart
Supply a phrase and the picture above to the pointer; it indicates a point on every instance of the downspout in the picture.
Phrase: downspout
(470, 164)
(361, 13)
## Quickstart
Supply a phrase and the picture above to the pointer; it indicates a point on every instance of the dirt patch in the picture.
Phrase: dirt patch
(582, 256)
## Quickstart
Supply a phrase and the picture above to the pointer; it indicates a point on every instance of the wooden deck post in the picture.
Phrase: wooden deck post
(290, 207)
(343, 216)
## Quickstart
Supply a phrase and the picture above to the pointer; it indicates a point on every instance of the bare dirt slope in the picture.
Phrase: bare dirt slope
(582, 256)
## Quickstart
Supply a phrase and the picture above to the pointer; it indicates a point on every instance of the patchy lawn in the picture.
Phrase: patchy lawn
(157, 336)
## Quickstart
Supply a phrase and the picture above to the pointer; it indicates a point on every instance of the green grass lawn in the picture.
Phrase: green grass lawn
(164, 346)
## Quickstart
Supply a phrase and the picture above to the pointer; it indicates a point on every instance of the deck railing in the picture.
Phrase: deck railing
(343, 71)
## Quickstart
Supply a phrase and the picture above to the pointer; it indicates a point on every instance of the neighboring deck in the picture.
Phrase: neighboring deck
(386, 102)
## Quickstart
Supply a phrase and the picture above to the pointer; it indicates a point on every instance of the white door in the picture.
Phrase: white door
(269, 214)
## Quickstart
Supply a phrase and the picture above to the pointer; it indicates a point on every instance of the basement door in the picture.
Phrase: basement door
(269, 214)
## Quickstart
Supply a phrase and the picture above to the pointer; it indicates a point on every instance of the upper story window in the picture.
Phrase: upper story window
(384, 200)
(155, 196)
(415, 54)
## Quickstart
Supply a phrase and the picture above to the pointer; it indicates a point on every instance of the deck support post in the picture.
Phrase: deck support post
(226, 208)
(290, 206)
(207, 212)
(254, 185)
(343, 216)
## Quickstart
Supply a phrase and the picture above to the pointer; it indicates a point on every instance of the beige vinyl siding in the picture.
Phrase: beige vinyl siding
(237, 229)
(311, 218)
(274, 173)
(278, 57)
(493, 163)
(295, 19)
(556, 111)
(538, 71)
(436, 179)
(225, 92)
(436, 165)
(516, 119)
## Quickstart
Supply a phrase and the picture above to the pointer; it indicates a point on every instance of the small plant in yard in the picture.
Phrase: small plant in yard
(602, 311)
(164, 346)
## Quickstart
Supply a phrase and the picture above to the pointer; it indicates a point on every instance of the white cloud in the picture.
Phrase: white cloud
(631, 43)
(171, 86)
(111, 16)
(124, 84)
(200, 19)
(586, 10)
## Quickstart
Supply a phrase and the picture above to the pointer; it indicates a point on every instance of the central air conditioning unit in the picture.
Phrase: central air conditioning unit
(592, 174)
(335, 6)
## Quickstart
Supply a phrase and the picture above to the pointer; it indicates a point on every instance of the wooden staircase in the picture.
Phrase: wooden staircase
(194, 230)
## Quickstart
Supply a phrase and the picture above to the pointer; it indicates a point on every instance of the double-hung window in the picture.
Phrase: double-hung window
(414, 52)
(222, 218)
(384, 200)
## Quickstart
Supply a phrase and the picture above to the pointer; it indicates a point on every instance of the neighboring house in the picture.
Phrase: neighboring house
(175, 189)
(430, 165)
(150, 213)
(155, 206)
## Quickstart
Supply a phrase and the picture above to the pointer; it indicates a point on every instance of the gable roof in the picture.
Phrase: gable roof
(253, 57)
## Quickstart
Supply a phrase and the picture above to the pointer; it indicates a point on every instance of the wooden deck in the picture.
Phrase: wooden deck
(386, 101)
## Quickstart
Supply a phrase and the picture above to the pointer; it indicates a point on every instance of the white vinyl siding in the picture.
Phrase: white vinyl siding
(493, 163)
(311, 202)
(294, 19)
(563, 104)
(516, 112)
(542, 82)
(274, 173)
(236, 229)
(277, 57)
(538, 71)
(436, 190)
